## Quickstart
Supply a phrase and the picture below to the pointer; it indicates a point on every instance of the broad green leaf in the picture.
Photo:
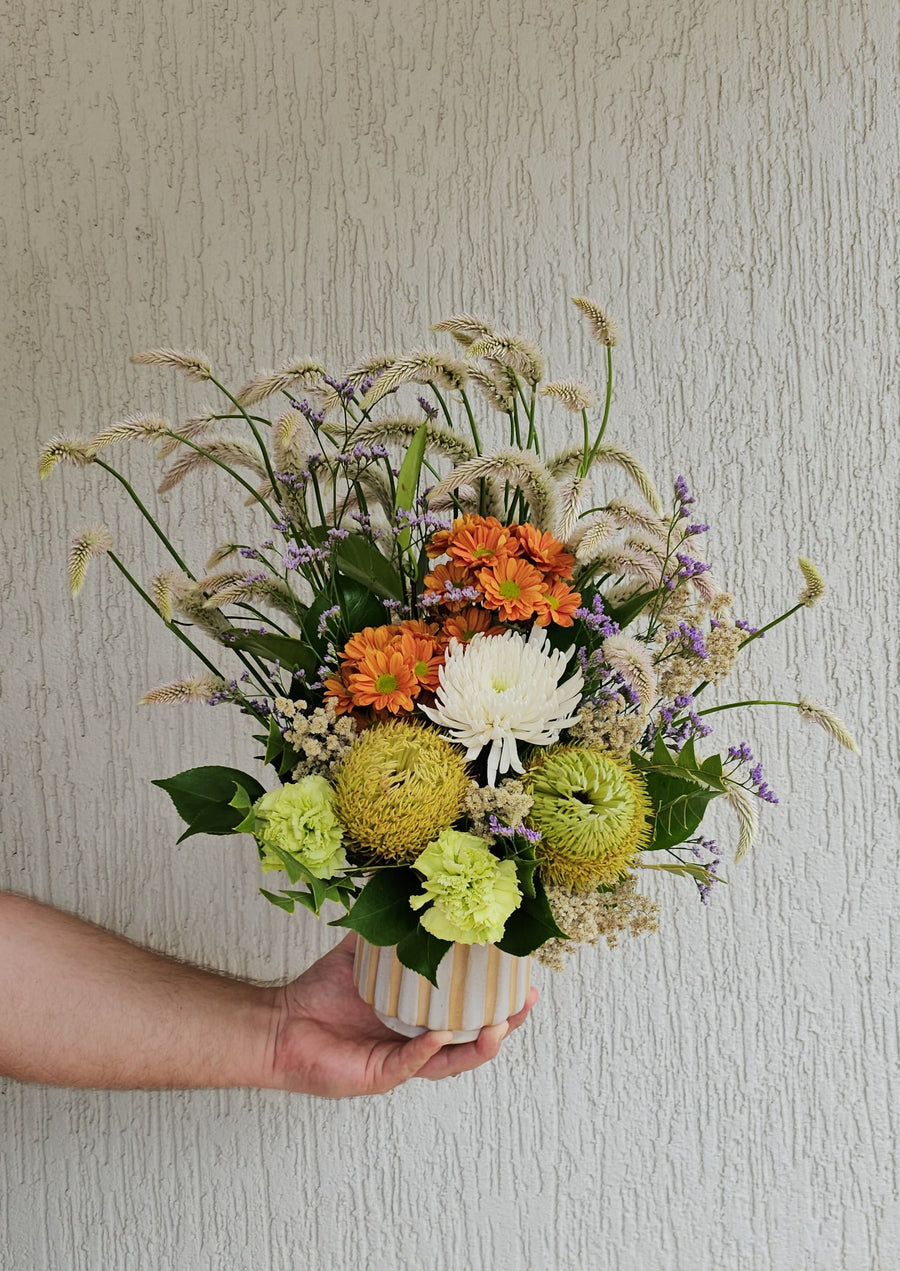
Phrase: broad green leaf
(680, 805)
(526, 864)
(360, 607)
(283, 902)
(359, 558)
(292, 654)
(529, 926)
(422, 952)
(408, 480)
(382, 913)
(202, 797)
(627, 612)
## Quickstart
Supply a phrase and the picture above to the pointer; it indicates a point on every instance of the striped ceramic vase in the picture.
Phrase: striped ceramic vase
(477, 985)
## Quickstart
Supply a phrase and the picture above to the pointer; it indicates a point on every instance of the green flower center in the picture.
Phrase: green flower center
(386, 683)
(509, 589)
(420, 670)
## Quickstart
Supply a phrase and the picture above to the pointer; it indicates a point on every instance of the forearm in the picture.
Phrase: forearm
(80, 1006)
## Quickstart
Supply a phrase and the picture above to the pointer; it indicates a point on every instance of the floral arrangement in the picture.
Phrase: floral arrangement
(479, 683)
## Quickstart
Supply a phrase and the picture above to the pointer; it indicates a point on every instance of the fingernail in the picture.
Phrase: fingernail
(442, 1038)
(498, 1031)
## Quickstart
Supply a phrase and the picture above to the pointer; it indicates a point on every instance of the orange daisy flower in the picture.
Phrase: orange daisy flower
(417, 626)
(558, 604)
(463, 626)
(425, 658)
(480, 545)
(544, 551)
(369, 640)
(336, 692)
(384, 680)
(513, 587)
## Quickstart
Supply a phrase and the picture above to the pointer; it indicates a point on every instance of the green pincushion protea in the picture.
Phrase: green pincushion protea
(398, 787)
(593, 812)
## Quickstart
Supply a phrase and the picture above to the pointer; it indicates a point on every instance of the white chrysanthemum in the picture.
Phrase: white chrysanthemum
(499, 690)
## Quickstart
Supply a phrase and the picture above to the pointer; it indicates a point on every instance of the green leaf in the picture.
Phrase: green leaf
(360, 559)
(292, 867)
(360, 607)
(627, 612)
(283, 902)
(382, 913)
(689, 870)
(529, 926)
(293, 654)
(303, 898)
(203, 798)
(408, 480)
(422, 952)
(526, 863)
(680, 805)
(274, 743)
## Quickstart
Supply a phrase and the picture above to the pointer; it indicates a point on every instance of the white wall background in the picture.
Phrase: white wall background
(260, 179)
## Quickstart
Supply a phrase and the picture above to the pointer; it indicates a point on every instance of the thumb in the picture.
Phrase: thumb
(405, 1059)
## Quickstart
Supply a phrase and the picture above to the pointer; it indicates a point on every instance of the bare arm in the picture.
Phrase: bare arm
(80, 1006)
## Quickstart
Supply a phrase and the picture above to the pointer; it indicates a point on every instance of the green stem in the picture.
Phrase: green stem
(146, 515)
(472, 428)
(609, 383)
(181, 636)
(730, 706)
(231, 472)
(769, 625)
(252, 426)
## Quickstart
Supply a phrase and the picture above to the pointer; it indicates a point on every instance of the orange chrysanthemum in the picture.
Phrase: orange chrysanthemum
(481, 545)
(417, 626)
(369, 640)
(463, 626)
(384, 680)
(558, 604)
(544, 551)
(425, 657)
(513, 587)
(336, 692)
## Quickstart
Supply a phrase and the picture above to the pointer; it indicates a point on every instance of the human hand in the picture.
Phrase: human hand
(329, 1042)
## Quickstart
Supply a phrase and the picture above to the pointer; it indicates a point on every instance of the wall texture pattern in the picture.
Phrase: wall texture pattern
(261, 179)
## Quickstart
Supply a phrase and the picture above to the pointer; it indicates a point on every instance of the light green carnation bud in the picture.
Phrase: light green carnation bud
(299, 819)
(473, 892)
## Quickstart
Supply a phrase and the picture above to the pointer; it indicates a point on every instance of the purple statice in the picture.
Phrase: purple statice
(596, 618)
(689, 639)
(697, 528)
(451, 594)
(499, 830)
(683, 495)
(676, 729)
(313, 417)
(743, 625)
(249, 553)
(343, 388)
(742, 755)
(709, 854)
(296, 556)
(428, 407)
(325, 616)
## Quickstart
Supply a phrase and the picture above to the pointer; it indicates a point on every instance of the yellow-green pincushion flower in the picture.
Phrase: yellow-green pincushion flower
(299, 818)
(473, 892)
(594, 815)
(399, 785)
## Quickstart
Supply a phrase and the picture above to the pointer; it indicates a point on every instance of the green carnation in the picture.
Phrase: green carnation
(299, 819)
(473, 892)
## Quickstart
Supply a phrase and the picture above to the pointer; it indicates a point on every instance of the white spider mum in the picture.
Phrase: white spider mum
(499, 690)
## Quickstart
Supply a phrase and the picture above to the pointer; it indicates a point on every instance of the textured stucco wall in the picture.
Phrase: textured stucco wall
(260, 179)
